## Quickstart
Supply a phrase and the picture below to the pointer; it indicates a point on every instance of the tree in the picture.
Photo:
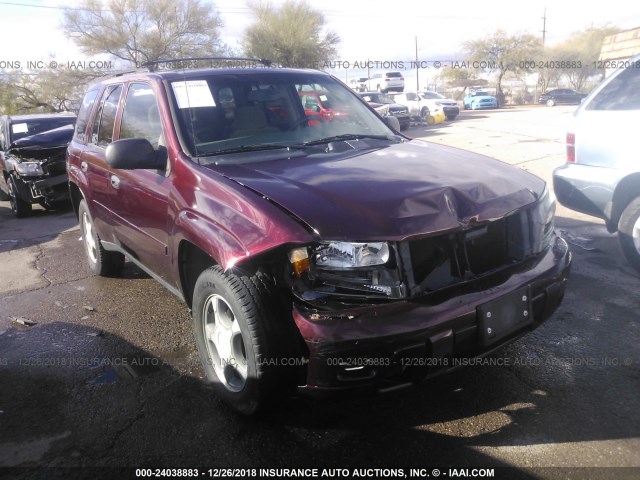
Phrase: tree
(140, 31)
(48, 91)
(504, 53)
(291, 36)
(578, 55)
(460, 78)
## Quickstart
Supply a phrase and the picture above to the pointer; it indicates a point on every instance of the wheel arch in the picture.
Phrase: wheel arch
(627, 189)
(76, 196)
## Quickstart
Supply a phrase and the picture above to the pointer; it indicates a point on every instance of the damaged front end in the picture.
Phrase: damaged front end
(36, 170)
(383, 314)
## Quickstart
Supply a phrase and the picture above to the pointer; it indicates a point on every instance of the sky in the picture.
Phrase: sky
(377, 30)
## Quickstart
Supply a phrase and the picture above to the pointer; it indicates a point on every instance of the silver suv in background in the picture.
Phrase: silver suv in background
(602, 173)
(386, 82)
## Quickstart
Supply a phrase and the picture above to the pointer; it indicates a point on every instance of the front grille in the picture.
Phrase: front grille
(444, 260)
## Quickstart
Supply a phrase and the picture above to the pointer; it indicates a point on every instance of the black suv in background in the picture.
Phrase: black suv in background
(32, 159)
(401, 112)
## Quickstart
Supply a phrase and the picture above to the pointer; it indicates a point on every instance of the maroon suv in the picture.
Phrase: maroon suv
(326, 256)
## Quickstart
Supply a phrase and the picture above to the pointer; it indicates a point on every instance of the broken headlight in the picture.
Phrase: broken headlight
(29, 169)
(351, 255)
(348, 269)
(542, 221)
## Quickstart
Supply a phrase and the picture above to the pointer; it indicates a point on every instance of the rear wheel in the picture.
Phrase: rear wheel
(101, 262)
(424, 113)
(629, 233)
(237, 327)
(19, 207)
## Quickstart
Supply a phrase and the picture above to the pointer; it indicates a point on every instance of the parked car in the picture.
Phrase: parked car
(602, 173)
(478, 100)
(32, 160)
(319, 106)
(401, 112)
(328, 256)
(386, 82)
(449, 105)
(422, 104)
(358, 84)
(564, 96)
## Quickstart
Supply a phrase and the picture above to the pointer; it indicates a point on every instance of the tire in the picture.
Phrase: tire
(236, 326)
(451, 117)
(424, 112)
(19, 207)
(551, 102)
(101, 262)
(4, 196)
(629, 233)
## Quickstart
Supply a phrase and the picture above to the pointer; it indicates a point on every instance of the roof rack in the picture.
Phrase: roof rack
(149, 65)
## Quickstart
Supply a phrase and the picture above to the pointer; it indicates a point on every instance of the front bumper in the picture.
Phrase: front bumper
(482, 106)
(382, 346)
(451, 111)
(49, 189)
(403, 118)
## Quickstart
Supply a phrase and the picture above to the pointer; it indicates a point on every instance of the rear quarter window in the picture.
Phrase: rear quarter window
(83, 115)
(621, 93)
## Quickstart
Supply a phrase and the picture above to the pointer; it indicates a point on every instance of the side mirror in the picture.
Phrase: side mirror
(135, 153)
(392, 122)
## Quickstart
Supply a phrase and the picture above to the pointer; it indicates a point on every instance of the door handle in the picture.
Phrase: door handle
(115, 181)
(84, 166)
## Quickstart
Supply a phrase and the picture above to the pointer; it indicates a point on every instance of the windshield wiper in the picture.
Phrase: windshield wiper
(252, 148)
(348, 136)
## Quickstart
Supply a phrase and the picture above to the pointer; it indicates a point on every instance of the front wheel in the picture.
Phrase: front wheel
(235, 323)
(424, 113)
(629, 233)
(19, 207)
(101, 262)
(551, 102)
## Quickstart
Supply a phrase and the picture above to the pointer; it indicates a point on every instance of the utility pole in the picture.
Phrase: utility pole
(544, 26)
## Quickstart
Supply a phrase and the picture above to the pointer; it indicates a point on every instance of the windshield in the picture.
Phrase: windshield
(480, 94)
(225, 112)
(24, 128)
(431, 95)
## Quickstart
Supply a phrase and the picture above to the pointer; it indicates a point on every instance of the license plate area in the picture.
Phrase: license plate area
(501, 317)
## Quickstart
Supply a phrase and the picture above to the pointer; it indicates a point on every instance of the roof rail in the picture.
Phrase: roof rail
(149, 65)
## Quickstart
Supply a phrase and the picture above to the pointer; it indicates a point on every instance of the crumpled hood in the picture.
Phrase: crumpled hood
(392, 193)
(43, 144)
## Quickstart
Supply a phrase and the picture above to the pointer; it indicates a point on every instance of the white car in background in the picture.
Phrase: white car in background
(358, 84)
(385, 82)
(422, 104)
